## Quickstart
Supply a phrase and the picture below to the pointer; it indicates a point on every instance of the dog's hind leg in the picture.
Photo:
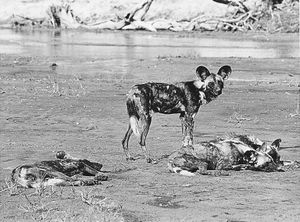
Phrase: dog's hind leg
(125, 143)
(146, 122)
(133, 104)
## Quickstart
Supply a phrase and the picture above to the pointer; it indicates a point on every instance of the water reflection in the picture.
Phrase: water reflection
(137, 45)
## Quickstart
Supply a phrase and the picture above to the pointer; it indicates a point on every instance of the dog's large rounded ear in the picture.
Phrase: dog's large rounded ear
(276, 143)
(225, 71)
(202, 72)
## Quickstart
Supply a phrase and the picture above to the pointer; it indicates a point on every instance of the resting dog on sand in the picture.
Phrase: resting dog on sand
(184, 98)
(235, 152)
(63, 171)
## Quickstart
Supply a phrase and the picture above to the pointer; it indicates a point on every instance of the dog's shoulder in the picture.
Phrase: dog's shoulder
(192, 90)
(192, 86)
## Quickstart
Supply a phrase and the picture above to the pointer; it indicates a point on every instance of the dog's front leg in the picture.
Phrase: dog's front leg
(189, 128)
(183, 120)
(183, 125)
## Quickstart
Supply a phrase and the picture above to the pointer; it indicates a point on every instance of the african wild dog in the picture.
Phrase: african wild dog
(63, 171)
(233, 153)
(184, 98)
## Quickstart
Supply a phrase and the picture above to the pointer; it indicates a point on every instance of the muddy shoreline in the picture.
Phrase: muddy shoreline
(80, 108)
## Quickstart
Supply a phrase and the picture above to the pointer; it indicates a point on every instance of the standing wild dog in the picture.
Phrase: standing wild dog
(184, 98)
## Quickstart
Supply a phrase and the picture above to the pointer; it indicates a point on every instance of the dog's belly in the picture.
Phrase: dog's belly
(167, 107)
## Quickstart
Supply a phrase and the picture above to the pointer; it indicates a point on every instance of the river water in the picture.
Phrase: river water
(140, 45)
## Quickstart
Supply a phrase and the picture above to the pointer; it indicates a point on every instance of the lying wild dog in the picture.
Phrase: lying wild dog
(233, 153)
(184, 98)
(59, 172)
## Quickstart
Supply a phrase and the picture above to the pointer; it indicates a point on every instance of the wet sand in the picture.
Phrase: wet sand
(80, 108)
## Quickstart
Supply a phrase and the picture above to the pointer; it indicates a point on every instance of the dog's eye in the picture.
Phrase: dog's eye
(211, 85)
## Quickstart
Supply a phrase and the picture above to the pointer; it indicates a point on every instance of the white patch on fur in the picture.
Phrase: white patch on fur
(242, 148)
(219, 78)
(255, 140)
(202, 97)
(68, 156)
(134, 125)
(223, 146)
(180, 171)
(183, 172)
(21, 178)
(23, 173)
(199, 84)
(262, 158)
(53, 182)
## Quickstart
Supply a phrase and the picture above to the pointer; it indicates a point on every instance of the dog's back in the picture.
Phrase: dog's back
(156, 97)
(57, 172)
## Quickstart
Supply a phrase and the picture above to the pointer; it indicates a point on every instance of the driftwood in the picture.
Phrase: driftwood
(241, 17)
(21, 21)
(63, 16)
(139, 13)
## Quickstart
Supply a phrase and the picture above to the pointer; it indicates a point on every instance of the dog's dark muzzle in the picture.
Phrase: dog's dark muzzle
(215, 93)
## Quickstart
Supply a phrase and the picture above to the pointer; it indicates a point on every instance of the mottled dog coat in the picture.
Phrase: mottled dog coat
(184, 98)
(59, 172)
(233, 153)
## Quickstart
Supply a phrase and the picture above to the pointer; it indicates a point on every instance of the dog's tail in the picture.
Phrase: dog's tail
(133, 116)
(13, 175)
(134, 124)
(180, 171)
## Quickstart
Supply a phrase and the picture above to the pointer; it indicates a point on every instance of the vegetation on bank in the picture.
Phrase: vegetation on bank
(154, 15)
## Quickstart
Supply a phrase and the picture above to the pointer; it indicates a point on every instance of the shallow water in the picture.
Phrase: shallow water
(139, 45)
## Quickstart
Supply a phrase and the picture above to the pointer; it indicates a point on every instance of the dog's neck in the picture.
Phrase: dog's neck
(199, 84)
